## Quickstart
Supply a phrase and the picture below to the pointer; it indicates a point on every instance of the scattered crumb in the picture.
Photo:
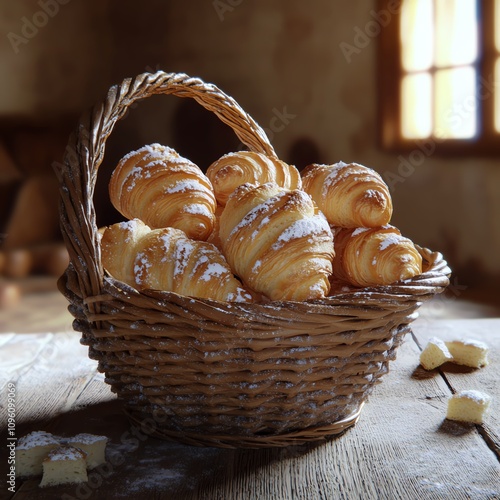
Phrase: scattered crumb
(36, 447)
(64, 465)
(468, 406)
(31, 450)
(435, 354)
(469, 352)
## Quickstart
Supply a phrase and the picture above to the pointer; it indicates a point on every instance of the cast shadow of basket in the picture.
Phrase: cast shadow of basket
(138, 463)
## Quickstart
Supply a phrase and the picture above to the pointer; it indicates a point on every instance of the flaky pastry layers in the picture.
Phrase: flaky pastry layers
(277, 241)
(234, 169)
(374, 256)
(166, 259)
(350, 195)
(163, 189)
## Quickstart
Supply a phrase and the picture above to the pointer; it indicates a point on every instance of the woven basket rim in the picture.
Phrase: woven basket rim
(436, 276)
(297, 437)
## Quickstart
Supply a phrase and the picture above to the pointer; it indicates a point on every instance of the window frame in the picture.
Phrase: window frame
(389, 76)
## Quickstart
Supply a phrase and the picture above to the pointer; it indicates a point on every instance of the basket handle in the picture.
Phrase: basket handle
(85, 151)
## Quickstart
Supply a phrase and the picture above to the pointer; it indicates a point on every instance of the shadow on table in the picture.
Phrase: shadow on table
(457, 429)
(420, 373)
(138, 465)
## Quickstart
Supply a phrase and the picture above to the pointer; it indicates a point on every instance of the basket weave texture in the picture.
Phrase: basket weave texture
(205, 372)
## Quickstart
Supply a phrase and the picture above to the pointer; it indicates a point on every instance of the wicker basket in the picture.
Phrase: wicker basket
(204, 372)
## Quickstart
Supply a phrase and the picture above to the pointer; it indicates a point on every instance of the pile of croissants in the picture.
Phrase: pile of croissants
(251, 229)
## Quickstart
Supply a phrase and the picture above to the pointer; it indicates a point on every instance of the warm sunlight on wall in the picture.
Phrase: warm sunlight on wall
(497, 64)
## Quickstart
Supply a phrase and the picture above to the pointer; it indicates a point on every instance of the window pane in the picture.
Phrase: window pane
(497, 24)
(416, 106)
(456, 103)
(497, 96)
(417, 34)
(456, 32)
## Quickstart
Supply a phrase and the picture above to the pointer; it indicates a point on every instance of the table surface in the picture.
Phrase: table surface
(401, 448)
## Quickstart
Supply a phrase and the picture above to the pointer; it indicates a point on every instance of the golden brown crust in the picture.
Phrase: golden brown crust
(277, 242)
(234, 169)
(163, 189)
(166, 259)
(214, 237)
(118, 243)
(374, 256)
(350, 195)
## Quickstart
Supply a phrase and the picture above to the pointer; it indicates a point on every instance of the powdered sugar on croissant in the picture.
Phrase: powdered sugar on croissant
(277, 242)
(166, 259)
(350, 195)
(234, 169)
(160, 187)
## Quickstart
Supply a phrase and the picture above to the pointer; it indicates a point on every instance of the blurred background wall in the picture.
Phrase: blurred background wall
(282, 61)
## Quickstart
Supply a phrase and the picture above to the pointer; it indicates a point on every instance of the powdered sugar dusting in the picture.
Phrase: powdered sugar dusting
(185, 186)
(141, 267)
(167, 240)
(155, 149)
(183, 250)
(241, 295)
(339, 164)
(359, 230)
(473, 343)
(162, 468)
(253, 214)
(134, 174)
(331, 178)
(150, 150)
(149, 157)
(303, 228)
(256, 266)
(476, 396)
(373, 193)
(213, 269)
(390, 239)
(197, 209)
(318, 287)
(156, 479)
(130, 225)
(66, 453)
(85, 438)
(438, 342)
(166, 153)
(36, 438)
(337, 173)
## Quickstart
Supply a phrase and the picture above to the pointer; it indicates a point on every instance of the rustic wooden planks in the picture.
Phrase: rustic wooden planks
(402, 447)
(485, 379)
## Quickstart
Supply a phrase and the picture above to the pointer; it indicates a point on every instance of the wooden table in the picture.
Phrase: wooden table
(401, 448)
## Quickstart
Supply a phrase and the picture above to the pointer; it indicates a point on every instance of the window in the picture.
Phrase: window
(439, 63)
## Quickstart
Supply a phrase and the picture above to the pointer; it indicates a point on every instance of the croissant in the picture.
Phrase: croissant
(349, 195)
(374, 256)
(277, 241)
(163, 189)
(234, 169)
(214, 236)
(118, 242)
(166, 259)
